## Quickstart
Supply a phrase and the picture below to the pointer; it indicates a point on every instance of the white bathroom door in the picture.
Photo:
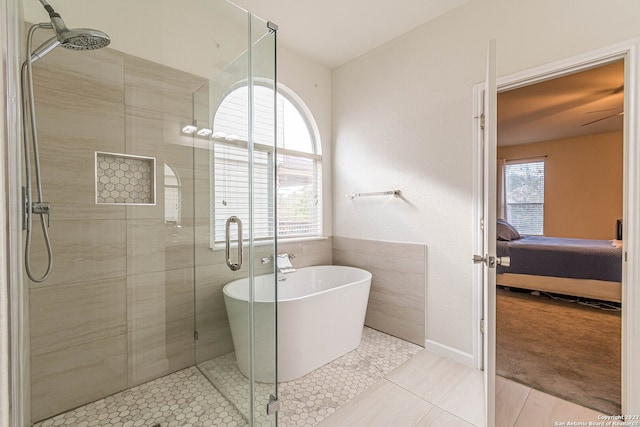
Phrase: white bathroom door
(489, 238)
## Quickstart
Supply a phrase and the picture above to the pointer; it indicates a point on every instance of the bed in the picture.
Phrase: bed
(578, 267)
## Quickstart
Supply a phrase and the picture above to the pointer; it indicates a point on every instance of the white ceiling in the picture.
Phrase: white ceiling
(334, 32)
(563, 107)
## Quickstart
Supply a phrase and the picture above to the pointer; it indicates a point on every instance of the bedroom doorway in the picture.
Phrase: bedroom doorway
(560, 186)
(630, 317)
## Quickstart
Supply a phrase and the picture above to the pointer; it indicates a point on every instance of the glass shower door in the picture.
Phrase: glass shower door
(235, 241)
(264, 243)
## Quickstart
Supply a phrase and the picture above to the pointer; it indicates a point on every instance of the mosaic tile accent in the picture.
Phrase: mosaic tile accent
(187, 399)
(308, 400)
(125, 179)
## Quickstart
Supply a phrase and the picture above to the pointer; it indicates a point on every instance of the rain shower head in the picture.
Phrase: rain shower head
(79, 38)
(74, 39)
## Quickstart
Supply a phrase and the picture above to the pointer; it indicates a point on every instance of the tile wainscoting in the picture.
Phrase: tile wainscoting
(397, 301)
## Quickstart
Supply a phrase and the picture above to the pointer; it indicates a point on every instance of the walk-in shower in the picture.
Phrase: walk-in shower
(133, 305)
(76, 39)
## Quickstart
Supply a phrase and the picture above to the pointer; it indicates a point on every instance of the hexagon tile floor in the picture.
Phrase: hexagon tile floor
(186, 398)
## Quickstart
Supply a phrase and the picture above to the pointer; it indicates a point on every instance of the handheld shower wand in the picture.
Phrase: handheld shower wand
(75, 39)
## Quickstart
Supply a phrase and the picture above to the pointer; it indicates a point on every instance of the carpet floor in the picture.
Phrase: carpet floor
(564, 349)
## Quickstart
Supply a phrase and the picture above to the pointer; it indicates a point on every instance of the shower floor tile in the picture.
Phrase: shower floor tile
(184, 398)
(187, 399)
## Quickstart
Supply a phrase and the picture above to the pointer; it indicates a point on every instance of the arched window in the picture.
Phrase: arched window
(298, 164)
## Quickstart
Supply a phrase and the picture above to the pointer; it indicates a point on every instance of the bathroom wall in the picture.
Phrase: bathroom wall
(402, 119)
(118, 308)
(397, 299)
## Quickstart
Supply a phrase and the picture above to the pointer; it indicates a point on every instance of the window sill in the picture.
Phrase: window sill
(301, 239)
(222, 246)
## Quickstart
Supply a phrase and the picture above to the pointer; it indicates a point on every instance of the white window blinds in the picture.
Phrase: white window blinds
(232, 191)
(525, 196)
(297, 170)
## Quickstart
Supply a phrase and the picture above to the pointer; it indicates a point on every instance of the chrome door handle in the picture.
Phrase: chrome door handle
(504, 261)
(492, 261)
(478, 259)
(233, 220)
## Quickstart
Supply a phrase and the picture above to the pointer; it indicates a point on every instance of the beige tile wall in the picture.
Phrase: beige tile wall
(398, 288)
(118, 308)
(309, 253)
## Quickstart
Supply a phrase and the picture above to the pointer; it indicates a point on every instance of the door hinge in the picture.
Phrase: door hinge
(481, 224)
(195, 335)
(273, 406)
(482, 326)
(482, 118)
(625, 256)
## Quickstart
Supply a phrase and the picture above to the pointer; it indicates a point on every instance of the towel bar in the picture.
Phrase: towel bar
(394, 193)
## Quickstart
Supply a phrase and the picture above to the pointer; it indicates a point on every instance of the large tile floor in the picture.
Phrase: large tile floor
(429, 390)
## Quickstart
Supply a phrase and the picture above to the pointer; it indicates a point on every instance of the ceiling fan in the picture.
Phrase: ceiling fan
(619, 111)
(616, 112)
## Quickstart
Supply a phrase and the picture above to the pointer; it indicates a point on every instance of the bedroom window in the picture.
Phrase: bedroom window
(524, 182)
(297, 166)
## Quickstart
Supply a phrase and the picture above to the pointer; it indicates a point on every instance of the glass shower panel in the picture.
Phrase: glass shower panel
(263, 75)
(234, 188)
(221, 192)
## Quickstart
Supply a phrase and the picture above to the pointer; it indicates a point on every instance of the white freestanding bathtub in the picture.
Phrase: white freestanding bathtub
(320, 318)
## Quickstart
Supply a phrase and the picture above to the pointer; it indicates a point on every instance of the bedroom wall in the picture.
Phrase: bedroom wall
(402, 119)
(583, 183)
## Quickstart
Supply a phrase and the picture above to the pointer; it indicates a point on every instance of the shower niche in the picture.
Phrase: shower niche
(125, 179)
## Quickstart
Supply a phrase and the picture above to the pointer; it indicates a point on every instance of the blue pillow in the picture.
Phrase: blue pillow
(506, 231)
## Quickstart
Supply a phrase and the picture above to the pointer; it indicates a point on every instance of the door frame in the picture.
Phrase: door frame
(629, 51)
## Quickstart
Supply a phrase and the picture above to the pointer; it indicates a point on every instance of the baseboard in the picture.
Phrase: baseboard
(461, 357)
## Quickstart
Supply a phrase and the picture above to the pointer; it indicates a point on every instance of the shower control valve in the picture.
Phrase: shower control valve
(41, 208)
